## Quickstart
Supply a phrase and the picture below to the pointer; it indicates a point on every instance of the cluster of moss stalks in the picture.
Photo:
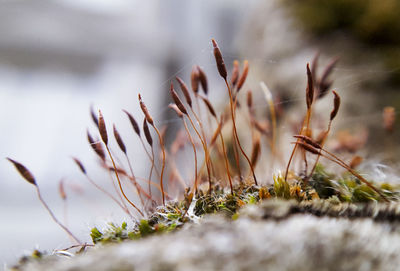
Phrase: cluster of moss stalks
(335, 189)
(327, 189)
(220, 185)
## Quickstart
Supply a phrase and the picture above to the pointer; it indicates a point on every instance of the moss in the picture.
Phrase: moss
(334, 189)
(164, 219)
(281, 187)
(321, 182)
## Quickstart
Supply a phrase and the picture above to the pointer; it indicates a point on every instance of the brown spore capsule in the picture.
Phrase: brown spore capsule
(146, 113)
(336, 105)
(177, 101)
(79, 164)
(310, 88)
(243, 77)
(203, 80)
(219, 60)
(103, 129)
(185, 91)
(119, 140)
(194, 79)
(133, 122)
(147, 134)
(23, 171)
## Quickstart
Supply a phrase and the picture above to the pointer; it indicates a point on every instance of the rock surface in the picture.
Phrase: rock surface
(270, 236)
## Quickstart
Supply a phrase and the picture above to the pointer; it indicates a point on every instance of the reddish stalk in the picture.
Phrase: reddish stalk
(54, 217)
(83, 170)
(63, 196)
(180, 115)
(108, 194)
(336, 105)
(182, 109)
(225, 158)
(119, 182)
(149, 139)
(236, 155)
(135, 126)
(206, 153)
(151, 122)
(163, 162)
(235, 132)
(223, 73)
(122, 147)
(135, 183)
(209, 163)
(194, 151)
(104, 137)
(219, 123)
(306, 122)
(27, 175)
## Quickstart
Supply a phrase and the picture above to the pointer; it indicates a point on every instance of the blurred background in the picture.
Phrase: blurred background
(57, 58)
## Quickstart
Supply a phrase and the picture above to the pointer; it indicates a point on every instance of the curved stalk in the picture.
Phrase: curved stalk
(109, 195)
(163, 163)
(134, 180)
(54, 217)
(119, 181)
(194, 151)
(235, 132)
(206, 153)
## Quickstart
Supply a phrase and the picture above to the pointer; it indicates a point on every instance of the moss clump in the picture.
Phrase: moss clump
(348, 188)
(323, 186)
(164, 219)
(321, 182)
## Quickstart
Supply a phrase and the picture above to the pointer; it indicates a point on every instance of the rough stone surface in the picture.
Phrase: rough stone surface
(260, 239)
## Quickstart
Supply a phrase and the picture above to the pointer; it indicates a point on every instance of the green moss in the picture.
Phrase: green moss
(321, 182)
(322, 185)
(281, 187)
(96, 235)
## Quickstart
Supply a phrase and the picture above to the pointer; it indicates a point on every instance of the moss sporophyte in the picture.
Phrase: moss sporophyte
(224, 177)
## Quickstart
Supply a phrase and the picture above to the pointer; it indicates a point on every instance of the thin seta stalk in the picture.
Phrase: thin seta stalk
(63, 196)
(336, 105)
(27, 175)
(149, 119)
(234, 80)
(182, 108)
(223, 73)
(122, 147)
(219, 123)
(180, 115)
(98, 149)
(238, 82)
(135, 127)
(199, 122)
(149, 140)
(104, 137)
(83, 170)
(306, 123)
(197, 77)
